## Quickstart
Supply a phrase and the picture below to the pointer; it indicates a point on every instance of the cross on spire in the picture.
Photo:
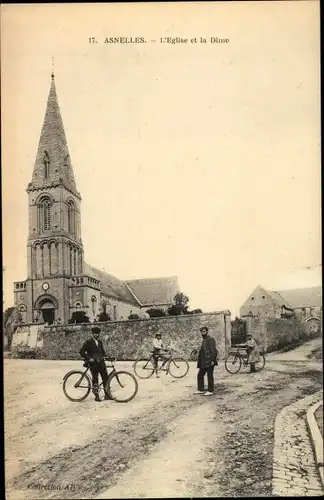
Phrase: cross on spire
(52, 67)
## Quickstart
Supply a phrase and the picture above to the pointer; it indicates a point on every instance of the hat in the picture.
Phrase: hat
(95, 329)
(204, 329)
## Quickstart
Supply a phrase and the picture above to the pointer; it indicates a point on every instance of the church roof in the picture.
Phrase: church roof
(303, 297)
(110, 285)
(154, 291)
(141, 292)
(53, 147)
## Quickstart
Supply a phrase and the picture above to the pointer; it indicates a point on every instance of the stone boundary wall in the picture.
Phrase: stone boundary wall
(273, 334)
(127, 340)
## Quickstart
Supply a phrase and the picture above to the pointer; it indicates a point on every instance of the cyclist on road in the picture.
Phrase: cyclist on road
(94, 353)
(158, 351)
(252, 350)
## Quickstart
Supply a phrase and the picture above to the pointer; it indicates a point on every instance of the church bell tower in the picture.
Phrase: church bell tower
(54, 247)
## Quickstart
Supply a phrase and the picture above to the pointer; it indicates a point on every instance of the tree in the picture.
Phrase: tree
(155, 312)
(12, 318)
(133, 316)
(79, 317)
(195, 311)
(103, 316)
(180, 305)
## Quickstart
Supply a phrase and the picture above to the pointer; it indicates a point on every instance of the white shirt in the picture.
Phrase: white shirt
(157, 343)
(96, 341)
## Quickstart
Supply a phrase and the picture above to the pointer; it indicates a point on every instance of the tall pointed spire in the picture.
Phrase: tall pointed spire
(53, 162)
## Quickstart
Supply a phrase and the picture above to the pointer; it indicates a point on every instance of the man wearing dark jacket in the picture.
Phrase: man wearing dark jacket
(207, 359)
(94, 353)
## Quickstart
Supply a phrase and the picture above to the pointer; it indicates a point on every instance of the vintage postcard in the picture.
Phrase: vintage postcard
(162, 295)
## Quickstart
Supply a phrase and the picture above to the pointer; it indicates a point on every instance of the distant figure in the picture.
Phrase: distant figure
(94, 353)
(253, 353)
(207, 359)
(59, 321)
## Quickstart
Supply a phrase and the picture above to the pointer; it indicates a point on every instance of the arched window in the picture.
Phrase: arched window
(71, 217)
(44, 219)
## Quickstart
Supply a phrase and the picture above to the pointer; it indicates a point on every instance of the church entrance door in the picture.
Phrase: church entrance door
(48, 312)
(48, 316)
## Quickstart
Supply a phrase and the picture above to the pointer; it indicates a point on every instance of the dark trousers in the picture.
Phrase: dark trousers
(156, 356)
(252, 368)
(210, 377)
(96, 368)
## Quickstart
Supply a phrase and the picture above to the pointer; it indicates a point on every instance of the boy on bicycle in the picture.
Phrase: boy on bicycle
(158, 351)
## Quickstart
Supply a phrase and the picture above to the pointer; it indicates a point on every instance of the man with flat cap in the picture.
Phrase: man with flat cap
(94, 353)
(207, 359)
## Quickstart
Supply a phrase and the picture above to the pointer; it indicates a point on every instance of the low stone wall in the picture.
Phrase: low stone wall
(126, 340)
(273, 334)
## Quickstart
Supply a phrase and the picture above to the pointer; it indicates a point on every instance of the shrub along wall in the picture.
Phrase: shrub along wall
(126, 340)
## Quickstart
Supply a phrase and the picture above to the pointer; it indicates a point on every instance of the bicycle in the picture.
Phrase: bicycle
(122, 386)
(145, 368)
(235, 360)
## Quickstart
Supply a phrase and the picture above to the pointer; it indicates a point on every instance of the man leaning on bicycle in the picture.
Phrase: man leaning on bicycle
(159, 352)
(94, 354)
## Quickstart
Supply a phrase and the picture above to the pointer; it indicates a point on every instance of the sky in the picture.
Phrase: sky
(195, 160)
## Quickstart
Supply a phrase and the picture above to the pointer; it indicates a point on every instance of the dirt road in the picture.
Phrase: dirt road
(166, 442)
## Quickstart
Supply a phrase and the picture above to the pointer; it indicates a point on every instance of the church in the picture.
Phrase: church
(59, 281)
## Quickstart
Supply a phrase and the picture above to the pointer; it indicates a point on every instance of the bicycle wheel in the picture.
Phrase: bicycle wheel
(233, 363)
(260, 364)
(144, 368)
(76, 386)
(122, 386)
(178, 367)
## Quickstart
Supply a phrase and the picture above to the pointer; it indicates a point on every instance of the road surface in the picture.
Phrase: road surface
(167, 442)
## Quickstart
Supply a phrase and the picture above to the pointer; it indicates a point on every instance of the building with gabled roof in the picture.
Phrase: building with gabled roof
(304, 304)
(300, 298)
(59, 281)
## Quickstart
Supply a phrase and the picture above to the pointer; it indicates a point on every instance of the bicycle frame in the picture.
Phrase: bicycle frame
(166, 362)
(244, 359)
(110, 375)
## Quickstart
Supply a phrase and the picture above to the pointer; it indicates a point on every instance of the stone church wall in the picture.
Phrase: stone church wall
(126, 340)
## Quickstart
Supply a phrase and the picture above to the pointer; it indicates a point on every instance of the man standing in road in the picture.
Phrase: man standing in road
(207, 359)
(94, 353)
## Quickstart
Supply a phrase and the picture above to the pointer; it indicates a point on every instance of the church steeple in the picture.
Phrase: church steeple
(53, 163)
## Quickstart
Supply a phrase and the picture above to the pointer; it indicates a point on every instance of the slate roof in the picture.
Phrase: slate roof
(303, 297)
(144, 292)
(110, 285)
(53, 142)
(278, 298)
(154, 291)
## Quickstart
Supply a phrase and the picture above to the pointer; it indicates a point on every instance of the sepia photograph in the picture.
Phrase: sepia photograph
(161, 235)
